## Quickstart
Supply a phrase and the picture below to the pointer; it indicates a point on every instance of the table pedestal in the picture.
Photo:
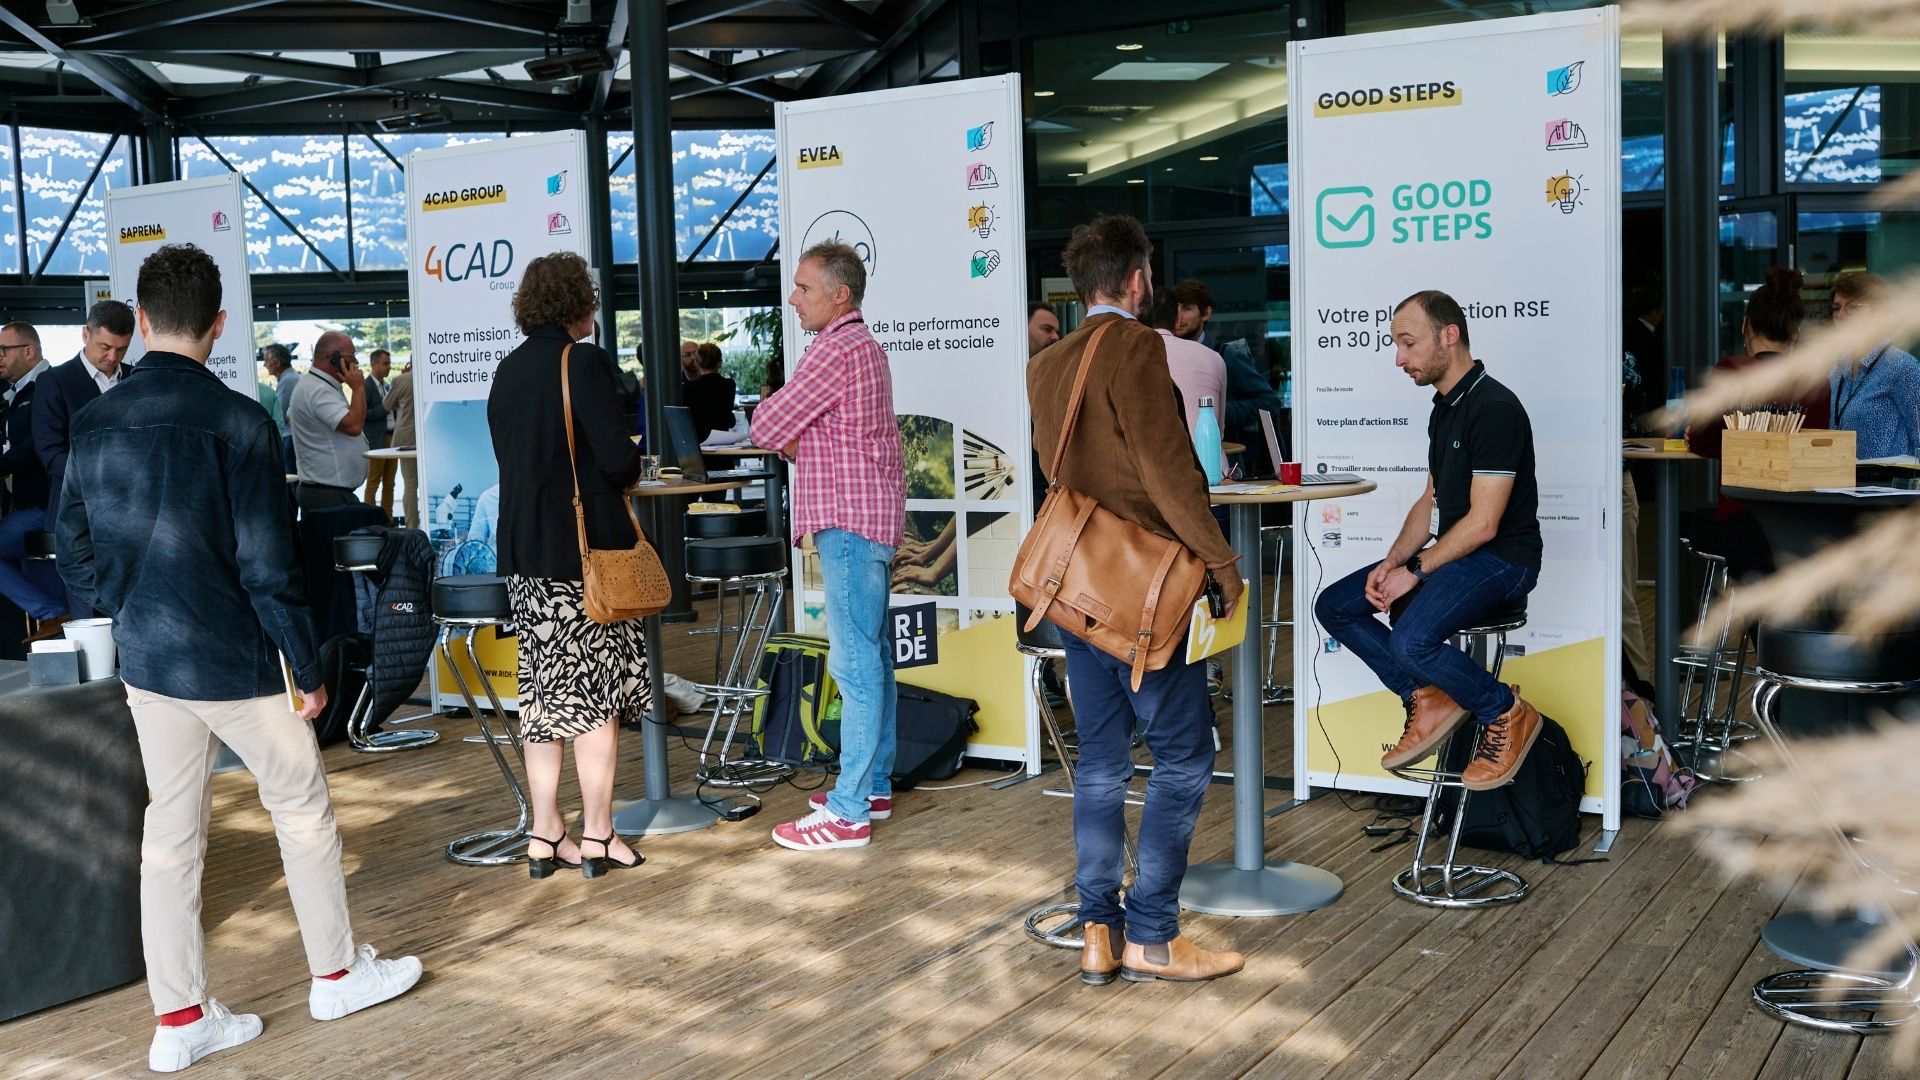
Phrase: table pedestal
(1825, 943)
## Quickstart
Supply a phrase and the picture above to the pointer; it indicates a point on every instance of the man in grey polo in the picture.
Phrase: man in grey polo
(328, 416)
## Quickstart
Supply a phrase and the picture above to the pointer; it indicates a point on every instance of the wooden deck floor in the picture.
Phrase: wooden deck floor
(726, 956)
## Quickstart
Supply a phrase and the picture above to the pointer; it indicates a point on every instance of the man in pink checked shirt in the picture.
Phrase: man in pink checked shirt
(834, 421)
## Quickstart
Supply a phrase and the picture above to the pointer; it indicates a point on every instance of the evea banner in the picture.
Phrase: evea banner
(207, 214)
(1482, 160)
(925, 183)
(477, 214)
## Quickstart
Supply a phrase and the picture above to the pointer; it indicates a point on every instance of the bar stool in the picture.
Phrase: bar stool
(1709, 750)
(716, 525)
(753, 570)
(1825, 995)
(462, 604)
(359, 555)
(1448, 884)
(1041, 645)
(1271, 692)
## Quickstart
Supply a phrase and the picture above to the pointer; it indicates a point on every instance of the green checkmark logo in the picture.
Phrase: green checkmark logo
(1343, 217)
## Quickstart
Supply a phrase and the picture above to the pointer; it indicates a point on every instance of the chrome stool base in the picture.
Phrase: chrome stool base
(1836, 1001)
(385, 742)
(494, 847)
(1459, 886)
(1061, 918)
(744, 773)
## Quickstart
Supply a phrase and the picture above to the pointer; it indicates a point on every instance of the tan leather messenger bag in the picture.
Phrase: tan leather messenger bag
(1114, 585)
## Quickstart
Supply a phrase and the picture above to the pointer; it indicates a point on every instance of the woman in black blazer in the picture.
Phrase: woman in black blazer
(578, 679)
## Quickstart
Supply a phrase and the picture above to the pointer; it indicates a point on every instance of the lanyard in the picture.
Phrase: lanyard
(1841, 403)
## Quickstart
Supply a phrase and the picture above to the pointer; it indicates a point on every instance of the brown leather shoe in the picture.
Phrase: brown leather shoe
(1100, 956)
(1178, 960)
(1503, 747)
(1431, 717)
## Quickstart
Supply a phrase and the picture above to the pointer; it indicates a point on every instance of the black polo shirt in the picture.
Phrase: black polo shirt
(1481, 429)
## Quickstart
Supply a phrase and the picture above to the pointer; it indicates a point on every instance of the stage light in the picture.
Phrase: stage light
(63, 13)
(431, 115)
(1130, 47)
(566, 65)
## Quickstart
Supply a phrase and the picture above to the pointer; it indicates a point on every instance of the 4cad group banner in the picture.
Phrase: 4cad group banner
(1483, 160)
(204, 213)
(476, 216)
(925, 182)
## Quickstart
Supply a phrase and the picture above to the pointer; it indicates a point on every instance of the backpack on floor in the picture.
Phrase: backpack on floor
(344, 659)
(933, 729)
(1538, 815)
(789, 720)
(1652, 783)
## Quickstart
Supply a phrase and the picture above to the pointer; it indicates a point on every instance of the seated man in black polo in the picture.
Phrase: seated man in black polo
(1479, 511)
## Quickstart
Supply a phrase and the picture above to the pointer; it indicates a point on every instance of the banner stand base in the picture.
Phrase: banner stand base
(1282, 888)
(673, 814)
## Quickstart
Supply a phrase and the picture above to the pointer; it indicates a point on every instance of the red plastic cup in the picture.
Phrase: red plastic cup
(1289, 472)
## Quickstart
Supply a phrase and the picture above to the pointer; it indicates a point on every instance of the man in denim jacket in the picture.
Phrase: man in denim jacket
(174, 521)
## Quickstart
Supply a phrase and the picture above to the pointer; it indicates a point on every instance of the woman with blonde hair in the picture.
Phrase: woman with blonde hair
(578, 679)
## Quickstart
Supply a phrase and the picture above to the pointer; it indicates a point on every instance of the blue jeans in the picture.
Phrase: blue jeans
(856, 572)
(33, 585)
(1416, 651)
(1172, 707)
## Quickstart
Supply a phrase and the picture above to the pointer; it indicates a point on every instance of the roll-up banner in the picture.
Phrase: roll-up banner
(95, 290)
(207, 214)
(1481, 159)
(925, 182)
(476, 216)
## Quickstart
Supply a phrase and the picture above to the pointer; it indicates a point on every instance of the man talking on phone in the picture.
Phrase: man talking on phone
(327, 415)
(173, 521)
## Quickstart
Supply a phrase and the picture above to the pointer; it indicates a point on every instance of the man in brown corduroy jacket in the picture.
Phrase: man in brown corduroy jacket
(1130, 452)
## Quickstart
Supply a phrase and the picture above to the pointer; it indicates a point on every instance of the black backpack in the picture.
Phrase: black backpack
(933, 730)
(344, 659)
(1538, 815)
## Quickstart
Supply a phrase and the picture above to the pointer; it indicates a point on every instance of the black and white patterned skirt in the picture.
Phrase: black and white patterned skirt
(575, 674)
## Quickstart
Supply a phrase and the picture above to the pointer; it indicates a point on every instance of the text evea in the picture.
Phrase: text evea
(820, 157)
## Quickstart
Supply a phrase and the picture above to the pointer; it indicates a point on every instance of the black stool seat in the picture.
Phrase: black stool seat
(1510, 614)
(713, 526)
(736, 556)
(350, 550)
(39, 545)
(471, 596)
(1044, 636)
(1818, 650)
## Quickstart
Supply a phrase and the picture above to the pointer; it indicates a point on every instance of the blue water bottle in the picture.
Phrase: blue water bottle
(1206, 441)
(1676, 392)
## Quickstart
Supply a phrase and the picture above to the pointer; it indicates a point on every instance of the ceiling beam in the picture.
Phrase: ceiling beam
(685, 13)
(324, 35)
(905, 16)
(272, 97)
(272, 67)
(433, 67)
(616, 41)
(756, 32)
(485, 13)
(844, 14)
(156, 16)
(122, 83)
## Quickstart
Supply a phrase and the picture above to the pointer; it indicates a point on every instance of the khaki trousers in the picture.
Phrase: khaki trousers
(410, 479)
(178, 741)
(380, 478)
(1633, 636)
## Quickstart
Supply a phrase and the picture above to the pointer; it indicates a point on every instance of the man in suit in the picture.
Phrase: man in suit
(33, 585)
(399, 402)
(379, 471)
(103, 345)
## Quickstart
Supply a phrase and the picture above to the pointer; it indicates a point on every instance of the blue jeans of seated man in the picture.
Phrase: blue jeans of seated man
(32, 584)
(855, 572)
(1416, 651)
(1173, 708)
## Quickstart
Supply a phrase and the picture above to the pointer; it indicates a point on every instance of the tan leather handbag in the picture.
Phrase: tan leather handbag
(620, 583)
(1118, 587)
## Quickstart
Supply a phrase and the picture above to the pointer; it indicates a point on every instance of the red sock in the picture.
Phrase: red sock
(182, 1017)
(341, 974)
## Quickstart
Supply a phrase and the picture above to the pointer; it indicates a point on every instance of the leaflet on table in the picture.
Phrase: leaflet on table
(1867, 492)
(1255, 488)
(1208, 636)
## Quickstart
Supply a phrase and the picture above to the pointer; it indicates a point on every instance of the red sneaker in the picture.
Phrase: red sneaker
(821, 831)
(878, 809)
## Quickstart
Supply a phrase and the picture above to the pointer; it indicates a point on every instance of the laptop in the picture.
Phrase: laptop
(1273, 449)
(686, 450)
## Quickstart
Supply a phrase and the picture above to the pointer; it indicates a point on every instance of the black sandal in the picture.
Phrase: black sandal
(593, 867)
(542, 868)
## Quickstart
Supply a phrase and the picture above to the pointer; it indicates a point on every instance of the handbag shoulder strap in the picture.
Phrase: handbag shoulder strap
(1073, 403)
(573, 460)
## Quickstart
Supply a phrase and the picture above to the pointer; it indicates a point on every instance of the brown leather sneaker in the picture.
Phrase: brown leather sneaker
(1503, 747)
(1431, 717)
(1178, 960)
(1100, 956)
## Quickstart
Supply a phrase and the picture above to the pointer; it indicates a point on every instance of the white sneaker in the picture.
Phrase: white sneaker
(175, 1048)
(685, 696)
(369, 981)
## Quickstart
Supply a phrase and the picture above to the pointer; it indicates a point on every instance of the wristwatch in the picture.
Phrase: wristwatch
(1413, 567)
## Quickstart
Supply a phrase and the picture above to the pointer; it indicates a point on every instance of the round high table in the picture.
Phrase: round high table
(392, 453)
(660, 811)
(1666, 596)
(776, 482)
(1249, 884)
(1797, 524)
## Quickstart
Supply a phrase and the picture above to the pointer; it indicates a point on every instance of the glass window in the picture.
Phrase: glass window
(1850, 108)
(1167, 122)
(9, 206)
(1749, 244)
(710, 170)
(54, 166)
(380, 193)
(304, 175)
(1830, 244)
